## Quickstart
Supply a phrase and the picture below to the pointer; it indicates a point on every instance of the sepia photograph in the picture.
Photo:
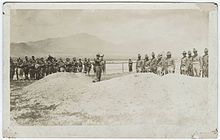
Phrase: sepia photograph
(123, 70)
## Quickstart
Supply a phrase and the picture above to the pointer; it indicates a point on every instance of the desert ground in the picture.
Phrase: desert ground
(119, 99)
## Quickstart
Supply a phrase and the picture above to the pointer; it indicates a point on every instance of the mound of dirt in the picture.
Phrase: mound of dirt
(143, 98)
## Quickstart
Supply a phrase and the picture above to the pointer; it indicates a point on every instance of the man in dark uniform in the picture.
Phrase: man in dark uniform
(205, 64)
(85, 65)
(74, 65)
(68, 65)
(12, 68)
(130, 64)
(37, 68)
(98, 68)
(153, 63)
(32, 68)
(93, 64)
(103, 63)
(26, 66)
(42, 67)
(89, 66)
(80, 65)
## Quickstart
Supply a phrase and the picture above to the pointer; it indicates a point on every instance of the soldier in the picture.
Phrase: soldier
(205, 64)
(80, 65)
(32, 68)
(153, 63)
(19, 71)
(85, 65)
(55, 66)
(26, 66)
(196, 63)
(48, 67)
(160, 65)
(74, 65)
(93, 64)
(61, 65)
(139, 64)
(169, 64)
(183, 65)
(89, 66)
(189, 64)
(103, 64)
(12, 68)
(130, 63)
(146, 64)
(42, 67)
(37, 68)
(68, 65)
(98, 68)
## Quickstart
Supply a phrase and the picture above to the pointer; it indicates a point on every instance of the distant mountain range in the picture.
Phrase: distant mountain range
(78, 45)
(86, 45)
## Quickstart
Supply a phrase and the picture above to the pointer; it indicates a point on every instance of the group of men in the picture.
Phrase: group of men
(192, 65)
(37, 68)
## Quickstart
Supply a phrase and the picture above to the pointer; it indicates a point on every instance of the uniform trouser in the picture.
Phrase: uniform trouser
(153, 69)
(170, 69)
(20, 74)
(183, 70)
(190, 71)
(32, 73)
(37, 72)
(26, 72)
(196, 69)
(130, 68)
(138, 69)
(88, 69)
(98, 73)
(205, 71)
(12, 72)
(159, 71)
(68, 69)
(85, 69)
(80, 69)
(94, 69)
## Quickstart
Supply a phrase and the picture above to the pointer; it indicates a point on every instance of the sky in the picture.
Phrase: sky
(171, 29)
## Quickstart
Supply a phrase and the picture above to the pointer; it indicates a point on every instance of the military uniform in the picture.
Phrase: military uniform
(183, 65)
(85, 66)
(153, 65)
(89, 66)
(98, 67)
(205, 64)
(130, 63)
(160, 65)
(80, 66)
(12, 69)
(169, 64)
(74, 65)
(139, 64)
(189, 65)
(32, 68)
(196, 63)
(68, 65)
(26, 66)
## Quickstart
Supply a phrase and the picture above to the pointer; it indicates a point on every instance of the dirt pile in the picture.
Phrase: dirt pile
(147, 98)
(71, 99)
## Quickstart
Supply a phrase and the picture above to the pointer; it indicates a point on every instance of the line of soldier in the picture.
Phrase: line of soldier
(37, 68)
(191, 65)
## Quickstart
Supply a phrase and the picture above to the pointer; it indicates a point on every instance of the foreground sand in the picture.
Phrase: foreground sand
(136, 99)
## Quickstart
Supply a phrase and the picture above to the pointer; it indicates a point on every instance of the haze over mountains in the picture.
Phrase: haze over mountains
(87, 45)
